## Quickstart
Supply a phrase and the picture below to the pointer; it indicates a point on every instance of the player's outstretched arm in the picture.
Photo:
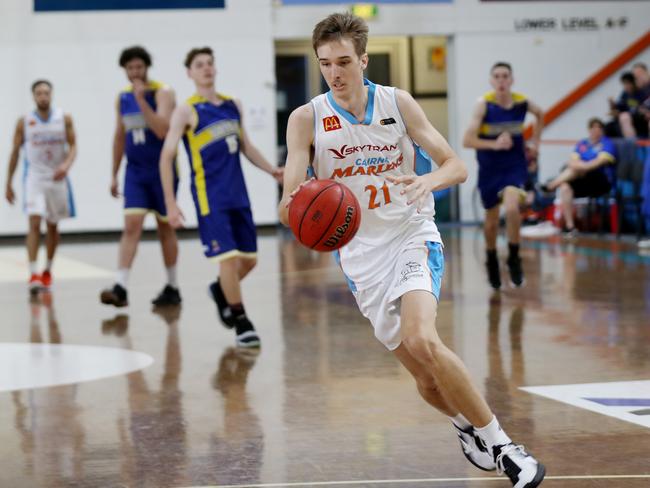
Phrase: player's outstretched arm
(300, 134)
(180, 120)
(451, 169)
(252, 153)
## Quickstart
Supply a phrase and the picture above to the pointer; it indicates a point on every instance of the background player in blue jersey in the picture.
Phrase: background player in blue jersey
(496, 132)
(143, 113)
(212, 131)
(589, 173)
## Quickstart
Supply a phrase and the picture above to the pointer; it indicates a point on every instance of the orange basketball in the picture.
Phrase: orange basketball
(324, 215)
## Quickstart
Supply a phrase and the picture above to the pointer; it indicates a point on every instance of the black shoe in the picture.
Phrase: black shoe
(116, 296)
(516, 271)
(246, 335)
(168, 296)
(523, 469)
(225, 314)
(492, 265)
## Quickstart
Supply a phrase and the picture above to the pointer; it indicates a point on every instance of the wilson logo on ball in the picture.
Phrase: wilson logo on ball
(341, 230)
(324, 215)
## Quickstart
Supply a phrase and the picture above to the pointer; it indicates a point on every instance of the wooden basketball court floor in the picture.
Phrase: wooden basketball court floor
(142, 398)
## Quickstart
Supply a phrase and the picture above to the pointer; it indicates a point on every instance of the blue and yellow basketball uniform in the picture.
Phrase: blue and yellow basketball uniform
(499, 169)
(142, 187)
(218, 188)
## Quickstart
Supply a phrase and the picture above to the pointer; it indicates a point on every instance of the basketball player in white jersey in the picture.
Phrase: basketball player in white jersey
(48, 139)
(363, 135)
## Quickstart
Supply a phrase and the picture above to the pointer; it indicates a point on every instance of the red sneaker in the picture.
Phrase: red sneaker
(35, 282)
(46, 278)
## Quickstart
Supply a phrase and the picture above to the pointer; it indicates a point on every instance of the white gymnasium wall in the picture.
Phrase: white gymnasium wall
(547, 65)
(78, 52)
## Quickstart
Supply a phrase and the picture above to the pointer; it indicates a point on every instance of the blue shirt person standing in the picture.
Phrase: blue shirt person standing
(144, 109)
(496, 131)
(210, 125)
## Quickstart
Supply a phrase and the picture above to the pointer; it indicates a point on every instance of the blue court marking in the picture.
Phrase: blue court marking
(621, 402)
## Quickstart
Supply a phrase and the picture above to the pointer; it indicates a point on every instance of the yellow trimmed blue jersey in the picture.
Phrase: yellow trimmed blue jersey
(142, 146)
(497, 120)
(212, 144)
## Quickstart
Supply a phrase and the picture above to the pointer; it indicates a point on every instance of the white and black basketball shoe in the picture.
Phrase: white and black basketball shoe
(474, 449)
(523, 469)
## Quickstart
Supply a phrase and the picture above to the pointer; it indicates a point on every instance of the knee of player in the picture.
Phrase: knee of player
(624, 117)
(423, 348)
(491, 223)
(35, 224)
(132, 229)
(247, 264)
(565, 189)
(512, 208)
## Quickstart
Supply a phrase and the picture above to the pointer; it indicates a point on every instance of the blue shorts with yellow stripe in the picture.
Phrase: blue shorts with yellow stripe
(493, 179)
(228, 233)
(145, 194)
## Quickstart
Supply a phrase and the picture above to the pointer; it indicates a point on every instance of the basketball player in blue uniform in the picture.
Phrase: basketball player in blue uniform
(143, 113)
(496, 132)
(213, 134)
(394, 264)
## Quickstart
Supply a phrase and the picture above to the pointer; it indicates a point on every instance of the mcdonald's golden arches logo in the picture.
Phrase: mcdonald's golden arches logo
(331, 123)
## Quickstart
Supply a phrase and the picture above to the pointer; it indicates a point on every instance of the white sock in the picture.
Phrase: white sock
(493, 434)
(171, 277)
(48, 265)
(33, 267)
(122, 277)
(460, 421)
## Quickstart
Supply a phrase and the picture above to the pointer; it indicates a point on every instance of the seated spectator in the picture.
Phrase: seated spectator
(589, 173)
(642, 78)
(631, 122)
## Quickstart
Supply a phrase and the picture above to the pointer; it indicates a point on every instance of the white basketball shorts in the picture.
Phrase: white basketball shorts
(418, 266)
(50, 199)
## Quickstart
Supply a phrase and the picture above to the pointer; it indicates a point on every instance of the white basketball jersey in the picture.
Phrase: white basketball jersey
(360, 155)
(45, 143)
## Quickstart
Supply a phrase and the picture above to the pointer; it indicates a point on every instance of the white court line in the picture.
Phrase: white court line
(425, 480)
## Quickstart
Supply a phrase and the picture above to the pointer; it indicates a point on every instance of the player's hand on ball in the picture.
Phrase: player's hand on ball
(295, 192)
(416, 188)
(175, 216)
